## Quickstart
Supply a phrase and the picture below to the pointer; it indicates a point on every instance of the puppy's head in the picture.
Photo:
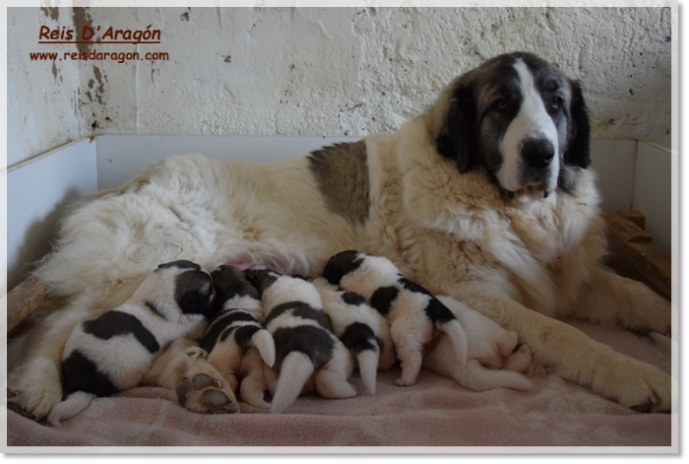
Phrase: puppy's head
(342, 264)
(518, 116)
(262, 279)
(235, 288)
(178, 286)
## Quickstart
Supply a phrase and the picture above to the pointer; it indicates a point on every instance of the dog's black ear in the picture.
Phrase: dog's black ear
(577, 152)
(340, 265)
(458, 139)
(194, 292)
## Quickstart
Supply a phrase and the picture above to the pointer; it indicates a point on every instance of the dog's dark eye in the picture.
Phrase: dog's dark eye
(557, 103)
(501, 104)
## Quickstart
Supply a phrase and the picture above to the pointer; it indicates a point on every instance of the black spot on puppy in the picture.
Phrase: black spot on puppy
(313, 341)
(359, 337)
(116, 323)
(82, 374)
(413, 286)
(382, 299)
(438, 313)
(243, 335)
(353, 299)
(303, 310)
(222, 322)
(193, 292)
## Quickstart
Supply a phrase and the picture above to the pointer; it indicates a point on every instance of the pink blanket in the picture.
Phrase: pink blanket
(434, 412)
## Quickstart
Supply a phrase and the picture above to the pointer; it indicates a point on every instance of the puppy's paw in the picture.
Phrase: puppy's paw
(202, 389)
(519, 360)
(34, 388)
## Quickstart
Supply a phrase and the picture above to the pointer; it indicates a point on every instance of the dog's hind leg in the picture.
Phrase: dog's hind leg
(409, 351)
(331, 380)
(519, 360)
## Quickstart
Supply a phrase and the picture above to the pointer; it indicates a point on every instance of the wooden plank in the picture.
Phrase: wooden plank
(637, 217)
(632, 245)
(625, 231)
(23, 299)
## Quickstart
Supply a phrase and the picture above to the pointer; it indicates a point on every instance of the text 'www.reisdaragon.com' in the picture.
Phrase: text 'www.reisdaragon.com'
(118, 57)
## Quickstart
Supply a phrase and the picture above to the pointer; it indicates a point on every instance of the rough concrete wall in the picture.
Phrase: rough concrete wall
(353, 71)
(43, 97)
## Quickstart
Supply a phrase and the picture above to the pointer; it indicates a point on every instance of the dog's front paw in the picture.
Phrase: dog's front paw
(634, 384)
(202, 389)
(34, 388)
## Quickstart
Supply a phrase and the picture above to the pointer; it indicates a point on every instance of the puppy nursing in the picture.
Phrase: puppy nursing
(307, 353)
(236, 342)
(412, 312)
(114, 352)
(363, 330)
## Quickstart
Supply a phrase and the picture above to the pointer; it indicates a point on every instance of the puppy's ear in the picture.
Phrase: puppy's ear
(458, 139)
(577, 152)
(340, 265)
(194, 292)
(261, 278)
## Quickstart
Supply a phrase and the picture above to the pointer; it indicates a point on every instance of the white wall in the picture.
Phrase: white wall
(321, 71)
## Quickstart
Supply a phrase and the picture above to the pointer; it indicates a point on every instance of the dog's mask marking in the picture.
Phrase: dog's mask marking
(85, 376)
(302, 310)
(503, 104)
(119, 324)
(341, 172)
(313, 341)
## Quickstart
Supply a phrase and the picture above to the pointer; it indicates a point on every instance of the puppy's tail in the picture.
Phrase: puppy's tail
(73, 405)
(263, 341)
(295, 371)
(368, 366)
(457, 336)
(478, 378)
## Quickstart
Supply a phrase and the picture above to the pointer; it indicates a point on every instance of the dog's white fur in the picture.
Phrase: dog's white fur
(410, 327)
(298, 374)
(521, 261)
(342, 315)
(122, 358)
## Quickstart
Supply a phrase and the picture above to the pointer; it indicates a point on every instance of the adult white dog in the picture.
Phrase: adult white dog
(485, 197)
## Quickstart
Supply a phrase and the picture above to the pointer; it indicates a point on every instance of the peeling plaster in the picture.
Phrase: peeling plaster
(332, 71)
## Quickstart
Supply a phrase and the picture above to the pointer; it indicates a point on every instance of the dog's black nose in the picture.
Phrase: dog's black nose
(538, 152)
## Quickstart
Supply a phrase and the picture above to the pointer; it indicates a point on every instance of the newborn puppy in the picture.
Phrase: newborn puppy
(307, 352)
(361, 328)
(236, 342)
(492, 361)
(411, 310)
(112, 353)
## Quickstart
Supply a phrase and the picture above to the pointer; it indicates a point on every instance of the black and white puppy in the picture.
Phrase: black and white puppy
(113, 353)
(307, 353)
(412, 311)
(236, 342)
(363, 330)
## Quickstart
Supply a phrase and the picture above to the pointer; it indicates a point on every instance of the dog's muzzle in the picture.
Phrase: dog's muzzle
(537, 153)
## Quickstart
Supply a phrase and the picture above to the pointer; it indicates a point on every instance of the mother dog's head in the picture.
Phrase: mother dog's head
(518, 116)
